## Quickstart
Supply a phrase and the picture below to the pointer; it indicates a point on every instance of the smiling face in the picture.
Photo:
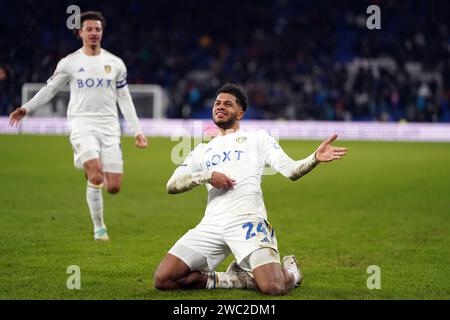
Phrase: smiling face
(91, 32)
(226, 111)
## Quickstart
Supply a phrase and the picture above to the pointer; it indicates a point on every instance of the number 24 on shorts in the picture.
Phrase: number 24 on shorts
(261, 228)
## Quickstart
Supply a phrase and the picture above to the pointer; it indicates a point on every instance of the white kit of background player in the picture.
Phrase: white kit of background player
(97, 82)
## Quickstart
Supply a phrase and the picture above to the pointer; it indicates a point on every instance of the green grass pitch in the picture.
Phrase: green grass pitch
(386, 204)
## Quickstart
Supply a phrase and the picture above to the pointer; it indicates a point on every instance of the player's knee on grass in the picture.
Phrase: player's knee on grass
(272, 288)
(270, 281)
(163, 281)
(160, 282)
(269, 277)
(172, 273)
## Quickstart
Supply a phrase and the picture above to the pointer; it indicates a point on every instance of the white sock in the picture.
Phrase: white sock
(223, 280)
(94, 199)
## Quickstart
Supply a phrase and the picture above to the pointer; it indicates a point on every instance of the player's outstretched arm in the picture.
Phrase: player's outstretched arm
(44, 95)
(324, 153)
(16, 116)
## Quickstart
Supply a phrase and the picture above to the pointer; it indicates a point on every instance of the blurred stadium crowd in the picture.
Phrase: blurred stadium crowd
(307, 60)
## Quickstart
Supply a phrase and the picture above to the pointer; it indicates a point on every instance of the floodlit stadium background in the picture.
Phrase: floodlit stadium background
(298, 59)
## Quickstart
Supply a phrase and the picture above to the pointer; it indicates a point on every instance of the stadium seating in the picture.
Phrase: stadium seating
(298, 60)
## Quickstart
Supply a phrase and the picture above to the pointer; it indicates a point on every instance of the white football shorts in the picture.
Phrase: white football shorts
(95, 145)
(212, 240)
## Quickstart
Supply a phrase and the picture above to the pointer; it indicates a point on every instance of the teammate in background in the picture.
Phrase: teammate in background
(231, 166)
(98, 82)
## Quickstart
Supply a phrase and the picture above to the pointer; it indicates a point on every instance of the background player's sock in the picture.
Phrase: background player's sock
(94, 199)
(223, 280)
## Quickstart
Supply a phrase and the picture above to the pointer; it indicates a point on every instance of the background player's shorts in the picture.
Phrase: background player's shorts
(95, 145)
(214, 240)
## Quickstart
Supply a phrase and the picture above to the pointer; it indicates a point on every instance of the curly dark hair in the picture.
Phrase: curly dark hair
(90, 15)
(238, 92)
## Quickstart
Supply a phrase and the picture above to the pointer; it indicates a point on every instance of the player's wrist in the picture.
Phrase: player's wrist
(138, 133)
(24, 109)
(314, 157)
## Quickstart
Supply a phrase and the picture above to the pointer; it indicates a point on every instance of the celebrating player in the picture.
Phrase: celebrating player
(231, 166)
(98, 82)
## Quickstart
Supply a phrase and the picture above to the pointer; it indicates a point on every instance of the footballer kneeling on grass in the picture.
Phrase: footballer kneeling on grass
(231, 166)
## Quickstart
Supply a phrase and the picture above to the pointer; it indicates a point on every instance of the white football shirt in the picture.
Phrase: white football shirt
(241, 156)
(94, 83)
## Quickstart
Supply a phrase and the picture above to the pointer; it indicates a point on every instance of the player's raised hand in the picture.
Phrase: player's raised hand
(141, 141)
(221, 181)
(326, 152)
(16, 116)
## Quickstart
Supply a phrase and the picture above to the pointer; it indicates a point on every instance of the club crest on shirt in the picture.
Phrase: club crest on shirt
(241, 139)
(107, 68)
